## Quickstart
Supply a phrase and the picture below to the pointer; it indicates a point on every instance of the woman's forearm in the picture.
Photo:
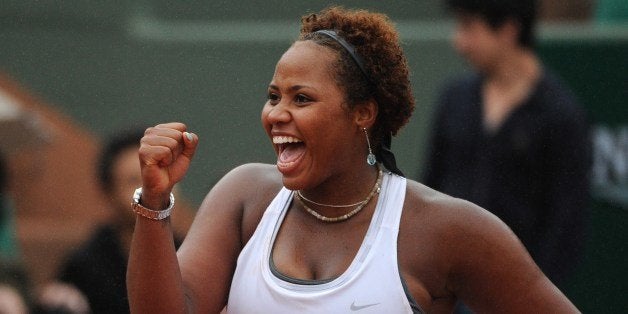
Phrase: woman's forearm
(153, 277)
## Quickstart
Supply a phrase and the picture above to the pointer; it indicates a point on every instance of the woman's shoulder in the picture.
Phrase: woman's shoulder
(253, 176)
(455, 232)
(424, 200)
(447, 214)
(470, 253)
(249, 189)
(254, 168)
(248, 185)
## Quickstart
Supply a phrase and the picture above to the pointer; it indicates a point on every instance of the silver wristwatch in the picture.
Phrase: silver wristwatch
(149, 213)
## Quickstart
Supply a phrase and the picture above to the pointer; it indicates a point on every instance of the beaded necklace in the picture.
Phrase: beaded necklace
(359, 205)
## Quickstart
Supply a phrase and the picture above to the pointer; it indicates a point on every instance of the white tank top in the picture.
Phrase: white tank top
(371, 284)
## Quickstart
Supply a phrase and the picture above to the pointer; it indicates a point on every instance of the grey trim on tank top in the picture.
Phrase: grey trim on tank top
(416, 308)
(305, 282)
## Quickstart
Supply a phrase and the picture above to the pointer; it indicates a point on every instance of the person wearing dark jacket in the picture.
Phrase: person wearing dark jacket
(511, 136)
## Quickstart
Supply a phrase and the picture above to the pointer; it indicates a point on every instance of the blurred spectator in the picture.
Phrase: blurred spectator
(98, 267)
(510, 136)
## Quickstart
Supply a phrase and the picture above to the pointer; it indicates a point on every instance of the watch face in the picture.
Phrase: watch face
(136, 195)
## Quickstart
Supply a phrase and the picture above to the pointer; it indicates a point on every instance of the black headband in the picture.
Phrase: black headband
(384, 154)
(348, 47)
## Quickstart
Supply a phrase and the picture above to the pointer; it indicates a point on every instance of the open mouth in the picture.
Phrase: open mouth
(289, 150)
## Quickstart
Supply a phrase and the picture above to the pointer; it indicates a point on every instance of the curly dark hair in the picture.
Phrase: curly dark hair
(376, 41)
(497, 12)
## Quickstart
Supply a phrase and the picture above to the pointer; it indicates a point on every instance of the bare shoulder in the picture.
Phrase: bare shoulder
(247, 182)
(478, 258)
(245, 192)
(448, 213)
(457, 229)
(254, 172)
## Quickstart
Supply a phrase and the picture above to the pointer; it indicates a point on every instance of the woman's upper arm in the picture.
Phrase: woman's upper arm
(492, 271)
(207, 257)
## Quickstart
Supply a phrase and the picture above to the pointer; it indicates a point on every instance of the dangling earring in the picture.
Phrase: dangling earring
(370, 158)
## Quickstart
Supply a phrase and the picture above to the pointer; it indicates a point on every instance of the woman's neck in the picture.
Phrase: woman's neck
(347, 188)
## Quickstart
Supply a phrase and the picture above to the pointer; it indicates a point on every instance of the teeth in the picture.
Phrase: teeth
(285, 139)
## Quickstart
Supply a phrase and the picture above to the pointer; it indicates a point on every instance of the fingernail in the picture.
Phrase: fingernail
(189, 136)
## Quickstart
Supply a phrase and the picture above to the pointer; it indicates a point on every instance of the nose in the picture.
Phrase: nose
(278, 113)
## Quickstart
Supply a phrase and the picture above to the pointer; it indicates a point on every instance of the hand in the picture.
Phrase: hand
(165, 154)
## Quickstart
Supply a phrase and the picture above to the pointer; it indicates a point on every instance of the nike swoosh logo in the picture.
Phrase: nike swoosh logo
(361, 307)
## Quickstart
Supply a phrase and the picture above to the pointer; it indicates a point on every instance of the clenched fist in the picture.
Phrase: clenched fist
(165, 154)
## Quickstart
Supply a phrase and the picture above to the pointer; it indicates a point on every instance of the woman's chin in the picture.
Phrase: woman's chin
(292, 177)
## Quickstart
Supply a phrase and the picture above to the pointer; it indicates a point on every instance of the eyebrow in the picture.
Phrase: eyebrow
(292, 88)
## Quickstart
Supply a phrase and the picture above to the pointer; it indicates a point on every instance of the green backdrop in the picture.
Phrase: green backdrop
(597, 70)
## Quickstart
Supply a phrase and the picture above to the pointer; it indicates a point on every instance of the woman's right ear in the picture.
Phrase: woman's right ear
(365, 113)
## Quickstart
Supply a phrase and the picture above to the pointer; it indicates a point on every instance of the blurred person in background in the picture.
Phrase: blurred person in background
(97, 269)
(511, 137)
